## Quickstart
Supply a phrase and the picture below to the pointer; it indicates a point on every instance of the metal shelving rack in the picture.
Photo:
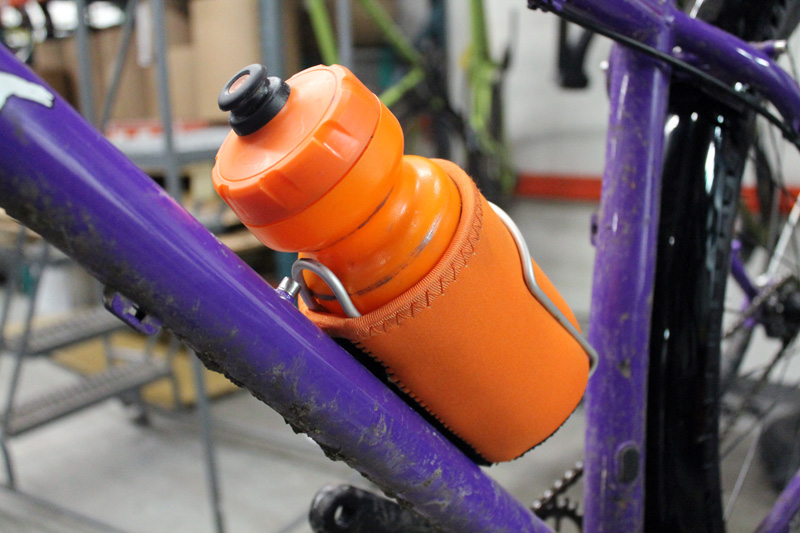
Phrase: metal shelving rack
(169, 153)
(41, 340)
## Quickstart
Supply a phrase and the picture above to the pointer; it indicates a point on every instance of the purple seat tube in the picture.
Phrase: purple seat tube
(622, 294)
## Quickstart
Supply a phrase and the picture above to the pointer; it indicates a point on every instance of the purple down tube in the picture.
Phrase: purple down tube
(622, 294)
(64, 180)
(785, 515)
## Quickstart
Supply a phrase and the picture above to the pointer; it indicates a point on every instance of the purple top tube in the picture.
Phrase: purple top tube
(703, 46)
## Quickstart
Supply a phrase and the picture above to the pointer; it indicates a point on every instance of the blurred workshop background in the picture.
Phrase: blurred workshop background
(105, 430)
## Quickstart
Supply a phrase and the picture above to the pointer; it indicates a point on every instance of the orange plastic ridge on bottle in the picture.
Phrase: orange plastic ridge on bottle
(327, 177)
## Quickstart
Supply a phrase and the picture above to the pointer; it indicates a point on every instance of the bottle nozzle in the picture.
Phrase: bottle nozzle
(252, 98)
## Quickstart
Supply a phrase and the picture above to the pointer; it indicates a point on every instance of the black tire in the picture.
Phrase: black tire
(756, 227)
(698, 211)
(752, 20)
(695, 232)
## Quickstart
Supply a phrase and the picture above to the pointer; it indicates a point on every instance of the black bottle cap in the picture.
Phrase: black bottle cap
(252, 98)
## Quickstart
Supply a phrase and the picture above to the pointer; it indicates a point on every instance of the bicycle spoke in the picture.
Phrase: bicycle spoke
(780, 188)
(787, 264)
(762, 415)
(748, 461)
(785, 236)
(778, 154)
(755, 370)
(795, 247)
(792, 63)
(733, 310)
(755, 305)
(747, 402)
(762, 317)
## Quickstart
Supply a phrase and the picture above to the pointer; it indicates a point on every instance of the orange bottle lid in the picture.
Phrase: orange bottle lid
(302, 152)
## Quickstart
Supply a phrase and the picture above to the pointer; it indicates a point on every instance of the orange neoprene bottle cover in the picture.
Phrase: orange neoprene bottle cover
(471, 344)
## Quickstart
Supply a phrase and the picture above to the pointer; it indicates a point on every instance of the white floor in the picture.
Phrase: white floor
(151, 478)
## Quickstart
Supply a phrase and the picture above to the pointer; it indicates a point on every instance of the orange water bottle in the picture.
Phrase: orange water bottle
(315, 165)
(326, 176)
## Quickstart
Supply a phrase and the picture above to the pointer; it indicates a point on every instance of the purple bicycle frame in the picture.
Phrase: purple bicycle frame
(627, 232)
(64, 180)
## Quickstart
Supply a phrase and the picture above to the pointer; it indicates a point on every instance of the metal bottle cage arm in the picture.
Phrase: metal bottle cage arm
(341, 295)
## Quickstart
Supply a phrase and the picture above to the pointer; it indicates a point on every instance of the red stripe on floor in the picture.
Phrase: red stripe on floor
(586, 188)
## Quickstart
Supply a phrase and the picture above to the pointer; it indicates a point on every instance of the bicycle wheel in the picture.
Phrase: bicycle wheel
(759, 372)
(706, 153)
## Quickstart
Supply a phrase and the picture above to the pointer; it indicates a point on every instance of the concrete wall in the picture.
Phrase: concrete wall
(551, 130)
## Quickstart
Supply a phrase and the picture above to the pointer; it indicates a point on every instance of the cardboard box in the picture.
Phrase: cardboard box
(176, 24)
(134, 95)
(49, 63)
(180, 59)
(137, 96)
(138, 93)
(225, 38)
(70, 58)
